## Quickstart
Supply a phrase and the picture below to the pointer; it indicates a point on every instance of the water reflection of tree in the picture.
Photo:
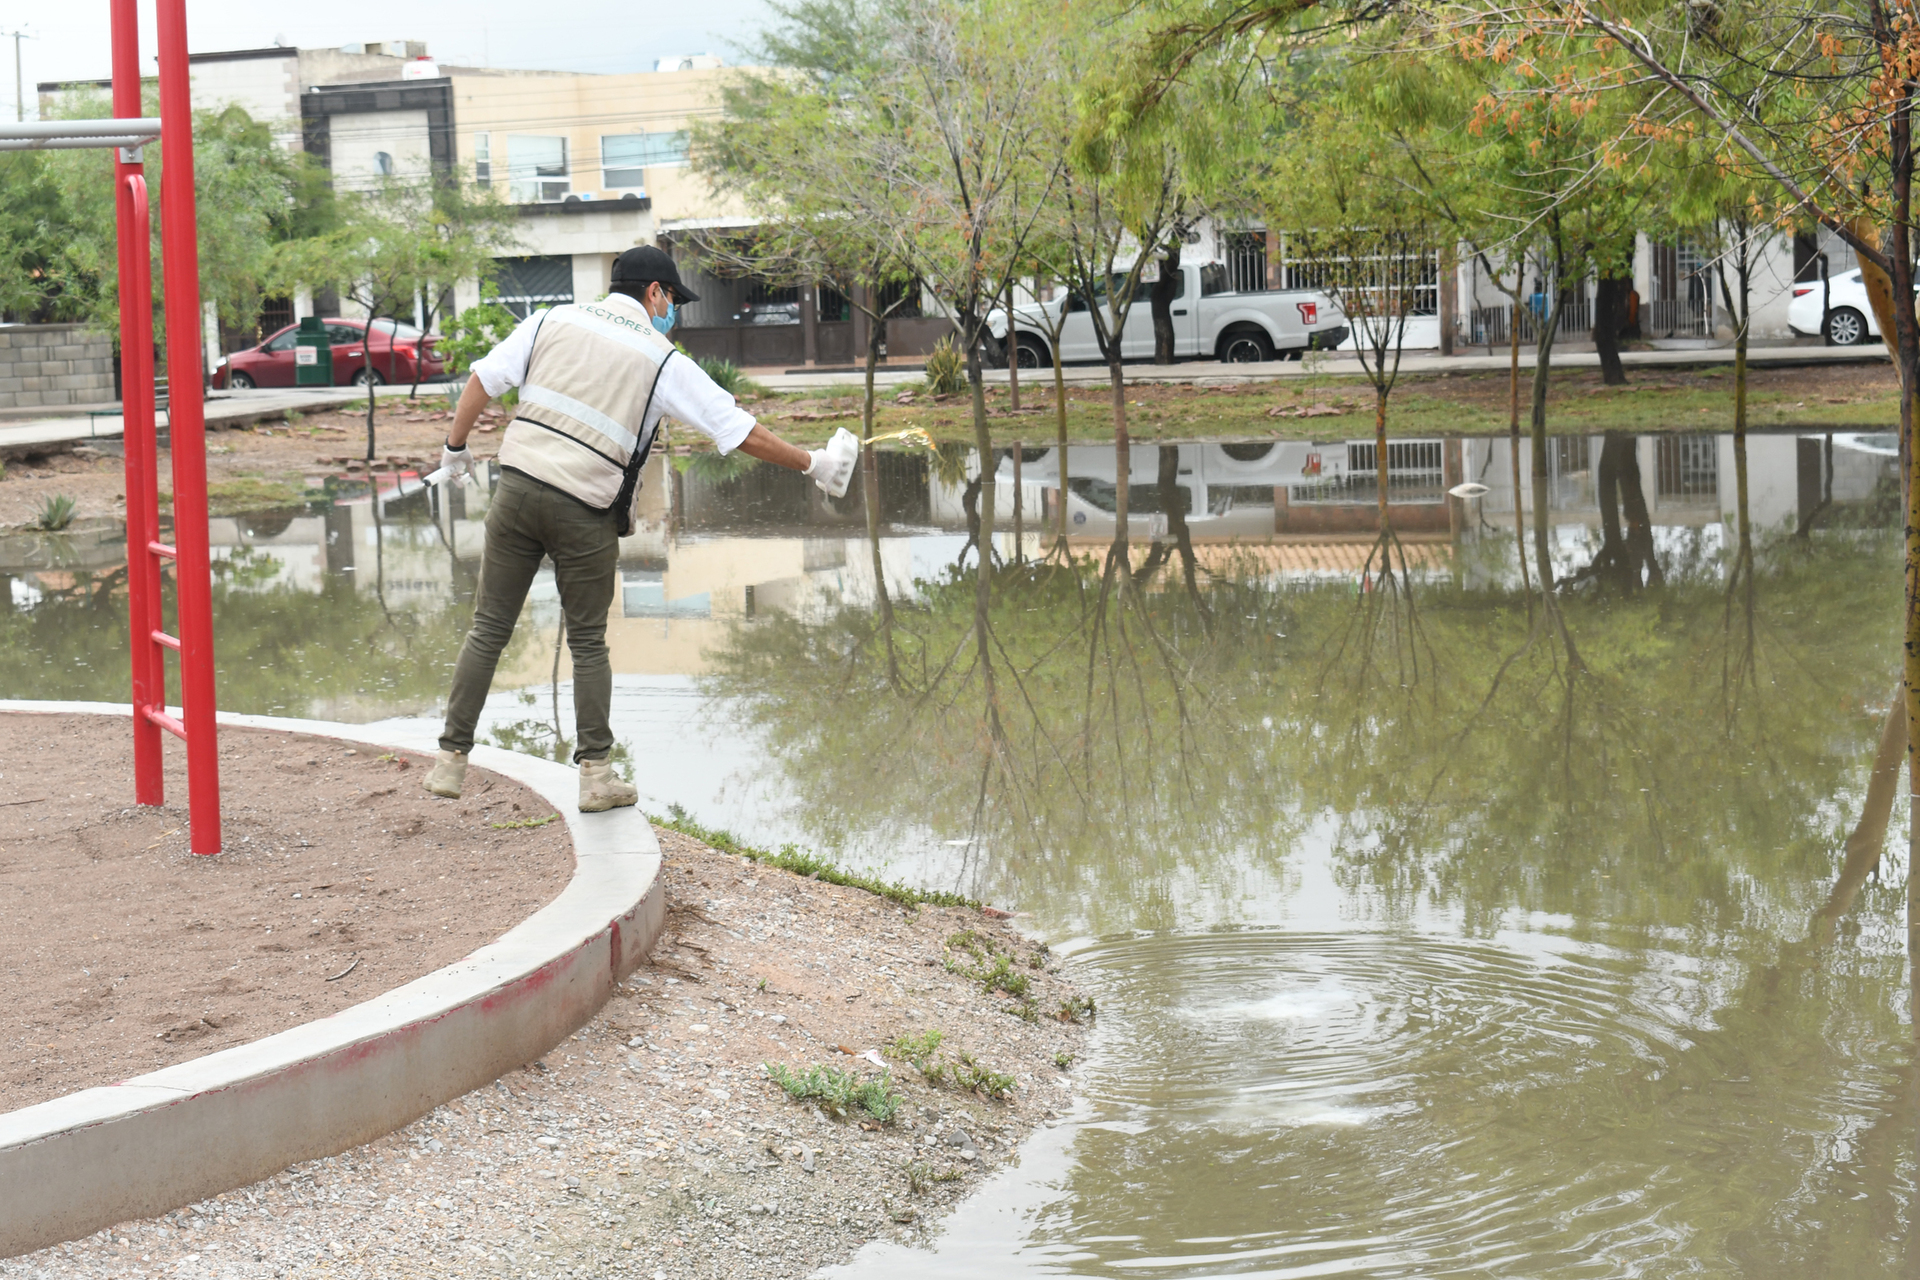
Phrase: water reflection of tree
(1708, 856)
(1132, 743)
(280, 648)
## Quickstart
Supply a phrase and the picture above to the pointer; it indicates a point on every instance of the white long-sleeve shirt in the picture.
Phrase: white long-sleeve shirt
(683, 392)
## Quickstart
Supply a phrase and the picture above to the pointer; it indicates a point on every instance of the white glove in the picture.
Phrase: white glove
(832, 467)
(455, 464)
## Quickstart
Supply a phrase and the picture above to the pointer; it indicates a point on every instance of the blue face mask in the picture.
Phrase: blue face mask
(665, 323)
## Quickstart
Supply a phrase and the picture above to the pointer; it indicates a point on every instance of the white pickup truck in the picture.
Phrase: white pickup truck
(1210, 321)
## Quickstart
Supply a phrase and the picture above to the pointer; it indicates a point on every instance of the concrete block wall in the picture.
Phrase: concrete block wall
(54, 365)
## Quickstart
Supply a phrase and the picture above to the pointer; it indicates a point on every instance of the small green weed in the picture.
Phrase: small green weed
(1078, 1009)
(1004, 977)
(991, 968)
(972, 1076)
(523, 823)
(840, 1092)
(1063, 1059)
(792, 858)
(762, 985)
(920, 1051)
(965, 1073)
(921, 1177)
(56, 513)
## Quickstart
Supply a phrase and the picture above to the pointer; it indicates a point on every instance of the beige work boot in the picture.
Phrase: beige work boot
(448, 773)
(601, 788)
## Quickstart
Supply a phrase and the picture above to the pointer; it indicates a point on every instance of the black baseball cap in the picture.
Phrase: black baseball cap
(647, 264)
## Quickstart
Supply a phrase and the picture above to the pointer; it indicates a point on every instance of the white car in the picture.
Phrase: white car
(1210, 322)
(1849, 314)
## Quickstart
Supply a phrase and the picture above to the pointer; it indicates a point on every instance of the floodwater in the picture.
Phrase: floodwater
(1436, 929)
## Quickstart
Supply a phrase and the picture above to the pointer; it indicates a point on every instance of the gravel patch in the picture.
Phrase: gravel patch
(653, 1143)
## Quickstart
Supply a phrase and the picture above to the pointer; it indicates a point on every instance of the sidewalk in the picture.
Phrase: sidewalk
(223, 409)
(1213, 372)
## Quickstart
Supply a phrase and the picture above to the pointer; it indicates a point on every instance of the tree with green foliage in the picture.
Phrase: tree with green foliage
(59, 234)
(398, 244)
(1357, 218)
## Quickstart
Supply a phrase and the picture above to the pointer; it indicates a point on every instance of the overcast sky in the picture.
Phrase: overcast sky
(70, 41)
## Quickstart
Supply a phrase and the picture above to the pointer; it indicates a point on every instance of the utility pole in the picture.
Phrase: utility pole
(19, 81)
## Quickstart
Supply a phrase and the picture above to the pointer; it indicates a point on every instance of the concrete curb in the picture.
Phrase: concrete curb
(142, 1147)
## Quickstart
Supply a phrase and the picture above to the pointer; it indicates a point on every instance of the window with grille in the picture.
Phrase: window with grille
(483, 159)
(1688, 466)
(1246, 255)
(1413, 459)
(906, 293)
(1416, 473)
(1389, 281)
(833, 306)
(1571, 454)
(527, 284)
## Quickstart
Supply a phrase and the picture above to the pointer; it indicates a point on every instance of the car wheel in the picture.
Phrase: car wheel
(1846, 327)
(239, 381)
(364, 375)
(1247, 451)
(1245, 346)
(1031, 355)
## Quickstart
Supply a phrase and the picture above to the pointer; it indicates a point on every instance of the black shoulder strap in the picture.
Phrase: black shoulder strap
(534, 345)
(623, 505)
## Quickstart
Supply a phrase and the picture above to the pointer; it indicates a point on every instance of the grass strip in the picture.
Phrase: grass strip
(801, 863)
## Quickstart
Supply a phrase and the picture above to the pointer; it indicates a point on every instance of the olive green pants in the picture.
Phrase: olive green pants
(526, 522)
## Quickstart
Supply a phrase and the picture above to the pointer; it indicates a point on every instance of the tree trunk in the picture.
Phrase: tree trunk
(870, 481)
(1609, 317)
(1160, 300)
(370, 453)
(983, 445)
(1513, 438)
(1013, 358)
(1380, 450)
(1060, 427)
(1633, 500)
(1542, 369)
(1122, 458)
(1612, 560)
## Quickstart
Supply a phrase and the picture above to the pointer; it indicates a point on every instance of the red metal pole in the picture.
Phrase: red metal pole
(192, 580)
(136, 397)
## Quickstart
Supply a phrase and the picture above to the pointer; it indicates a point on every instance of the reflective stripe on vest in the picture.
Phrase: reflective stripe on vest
(582, 406)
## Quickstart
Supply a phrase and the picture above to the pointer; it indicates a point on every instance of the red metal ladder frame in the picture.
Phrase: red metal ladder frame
(186, 424)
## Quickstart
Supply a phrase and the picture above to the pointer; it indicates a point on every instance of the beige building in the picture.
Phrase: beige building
(597, 164)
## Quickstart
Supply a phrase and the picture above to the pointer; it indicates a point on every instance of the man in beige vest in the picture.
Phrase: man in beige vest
(594, 380)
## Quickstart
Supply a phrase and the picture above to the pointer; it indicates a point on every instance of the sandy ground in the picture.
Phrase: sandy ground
(652, 1143)
(122, 952)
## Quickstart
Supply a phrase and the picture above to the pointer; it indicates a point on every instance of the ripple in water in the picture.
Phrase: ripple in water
(1264, 1104)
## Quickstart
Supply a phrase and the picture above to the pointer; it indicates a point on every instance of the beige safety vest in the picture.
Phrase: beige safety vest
(583, 404)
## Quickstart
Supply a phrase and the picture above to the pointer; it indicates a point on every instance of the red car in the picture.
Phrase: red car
(394, 350)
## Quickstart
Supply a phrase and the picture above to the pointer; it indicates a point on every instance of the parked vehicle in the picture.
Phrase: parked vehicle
(389, 357)
(1849, 315)
(1210, 322)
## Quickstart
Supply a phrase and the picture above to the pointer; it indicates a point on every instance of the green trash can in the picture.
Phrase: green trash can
(312, 354)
